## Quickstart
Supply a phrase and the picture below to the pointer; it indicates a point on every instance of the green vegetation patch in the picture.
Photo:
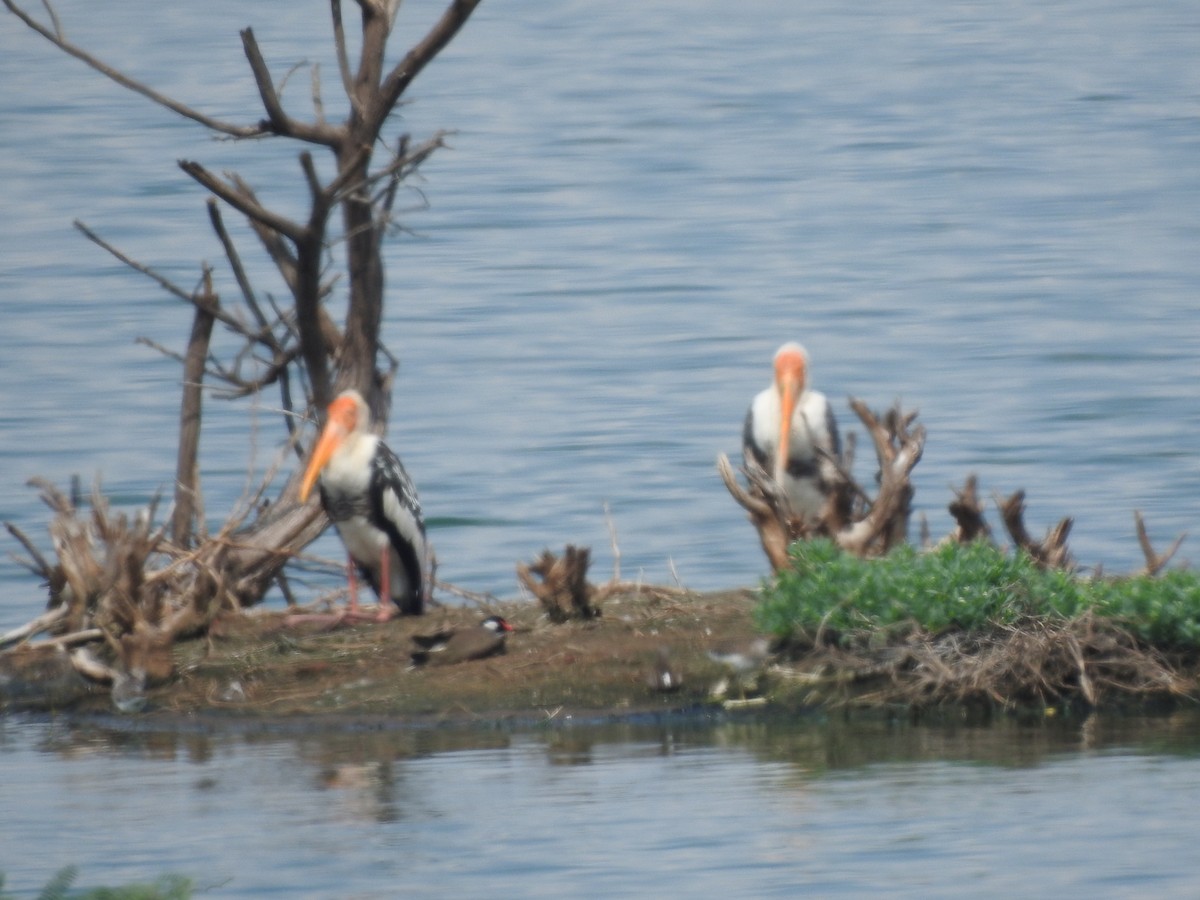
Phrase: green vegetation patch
(833, 596)
(167, 887)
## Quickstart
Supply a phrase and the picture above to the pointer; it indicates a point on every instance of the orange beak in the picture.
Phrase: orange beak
(340, 422)
(789, 381)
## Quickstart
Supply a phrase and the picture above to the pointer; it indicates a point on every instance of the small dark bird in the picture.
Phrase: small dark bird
(663, 677)
(461, 645)
(741, 657)
(744, 659)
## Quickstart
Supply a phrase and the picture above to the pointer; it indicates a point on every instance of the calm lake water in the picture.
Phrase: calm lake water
(1102, 808)
(987, 211)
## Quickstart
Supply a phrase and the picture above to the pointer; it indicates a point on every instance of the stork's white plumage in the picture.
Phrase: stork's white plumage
(791, 431)
(372, 502)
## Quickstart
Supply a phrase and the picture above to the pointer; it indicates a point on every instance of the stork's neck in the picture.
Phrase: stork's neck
(350, 466)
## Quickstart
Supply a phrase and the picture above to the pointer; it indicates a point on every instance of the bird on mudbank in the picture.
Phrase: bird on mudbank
(744, 659)
(461, 645)
(372, 502)
(790, 430)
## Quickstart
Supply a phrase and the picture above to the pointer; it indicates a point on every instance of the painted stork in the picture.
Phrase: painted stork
(791, 431)
(372, 502)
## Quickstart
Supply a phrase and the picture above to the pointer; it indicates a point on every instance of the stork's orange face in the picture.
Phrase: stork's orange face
(341, 420)
(791, 370)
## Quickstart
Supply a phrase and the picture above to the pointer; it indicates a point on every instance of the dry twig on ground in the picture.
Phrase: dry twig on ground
(1033, 663)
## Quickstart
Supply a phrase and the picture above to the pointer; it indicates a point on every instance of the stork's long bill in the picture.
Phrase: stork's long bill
(790, 376)
(341, 421)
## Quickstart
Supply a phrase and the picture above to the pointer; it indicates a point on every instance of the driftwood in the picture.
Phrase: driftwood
(858, 523)
(967, 510)
(560, 584)
(123, 584)
(1155, 562)
(1050, 552)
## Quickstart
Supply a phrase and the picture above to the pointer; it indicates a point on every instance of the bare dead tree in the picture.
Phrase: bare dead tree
(289, 347)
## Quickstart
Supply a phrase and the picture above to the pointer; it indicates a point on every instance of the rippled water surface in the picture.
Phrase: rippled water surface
(1103, 808)
(987, 211)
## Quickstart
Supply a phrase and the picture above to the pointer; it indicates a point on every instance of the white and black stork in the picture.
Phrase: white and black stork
(371, 500)
(790, 430)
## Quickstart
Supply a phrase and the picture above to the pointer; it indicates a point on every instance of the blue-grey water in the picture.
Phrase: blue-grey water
(987, 211)
(1102, 808)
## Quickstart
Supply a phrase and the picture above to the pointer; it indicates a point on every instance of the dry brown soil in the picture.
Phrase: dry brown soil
(262, 664)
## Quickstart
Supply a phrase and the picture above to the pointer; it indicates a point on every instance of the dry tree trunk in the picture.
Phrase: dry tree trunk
(187, 474)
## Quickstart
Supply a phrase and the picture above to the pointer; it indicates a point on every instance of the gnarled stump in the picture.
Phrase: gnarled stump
(560, 584)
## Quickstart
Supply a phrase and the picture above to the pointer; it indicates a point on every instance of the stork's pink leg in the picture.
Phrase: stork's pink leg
(352, 583)
(386, 606)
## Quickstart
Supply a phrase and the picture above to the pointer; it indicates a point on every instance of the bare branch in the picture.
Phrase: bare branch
(239, 272)
(55, 37)
(187, 475)
(278, 121)
(339, 40)
(165, 351)
(772, 531)
(281, 253)
(247, 206)
(194, 298)
(318, 193)
(29, 629)
(318, 103)
(50, 11)
(1050, 552)
(39, 567)
(899, 451)
(418, 57)
(404, 164)
(1154, 562)
(163, 282)
(277, 371)
(967, 510)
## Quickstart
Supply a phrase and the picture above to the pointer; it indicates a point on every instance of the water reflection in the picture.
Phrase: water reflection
(339, 756)
(844, 806)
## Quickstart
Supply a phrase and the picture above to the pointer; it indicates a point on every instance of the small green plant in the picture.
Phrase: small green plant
(168, 887)
(834, 595)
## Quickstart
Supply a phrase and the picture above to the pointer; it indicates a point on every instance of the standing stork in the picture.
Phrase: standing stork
(791, 432)
(372, 502)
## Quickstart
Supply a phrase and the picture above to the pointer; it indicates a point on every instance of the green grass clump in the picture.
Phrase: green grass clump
(168, 887)
(965, 587)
